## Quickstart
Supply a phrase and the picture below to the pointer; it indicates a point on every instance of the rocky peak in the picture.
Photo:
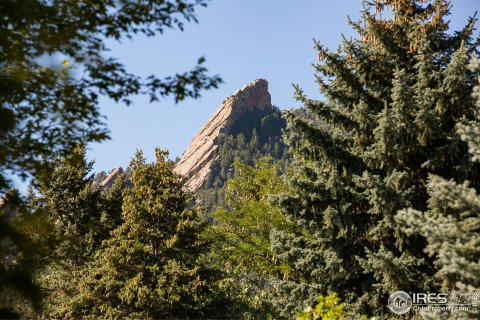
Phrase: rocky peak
(196, 161)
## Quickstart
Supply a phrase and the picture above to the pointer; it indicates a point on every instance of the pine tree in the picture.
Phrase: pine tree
(392, 99)
(451, 226)
(82, 217)
(150, 267)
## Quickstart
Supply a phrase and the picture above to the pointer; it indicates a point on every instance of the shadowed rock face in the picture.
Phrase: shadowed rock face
(197, 160)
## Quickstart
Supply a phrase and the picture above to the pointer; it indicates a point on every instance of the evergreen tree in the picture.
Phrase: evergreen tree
(392, 99)
(451, 226)
(150, 267)
(82, 217)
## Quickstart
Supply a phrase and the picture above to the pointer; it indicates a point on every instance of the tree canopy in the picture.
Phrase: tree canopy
(150, 266)
(54, 66)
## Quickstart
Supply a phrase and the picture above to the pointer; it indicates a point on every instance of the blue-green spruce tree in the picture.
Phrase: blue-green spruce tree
(392, 99)
(451, 226)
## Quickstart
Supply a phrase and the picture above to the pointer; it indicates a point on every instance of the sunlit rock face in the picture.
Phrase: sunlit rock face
(197, 160)
(108, 182)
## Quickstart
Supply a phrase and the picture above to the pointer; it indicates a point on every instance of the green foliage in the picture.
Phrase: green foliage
(327, 308)
(242, 231)
(392, 101)
(451, 225)
(255, 134)
(82, 217)
(150, 267)
(48, 106)
(21, 249)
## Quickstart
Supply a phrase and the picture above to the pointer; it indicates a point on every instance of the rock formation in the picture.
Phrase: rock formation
(196, 161)
(108, 182)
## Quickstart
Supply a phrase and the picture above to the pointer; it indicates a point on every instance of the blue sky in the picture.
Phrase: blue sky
(242, 40)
